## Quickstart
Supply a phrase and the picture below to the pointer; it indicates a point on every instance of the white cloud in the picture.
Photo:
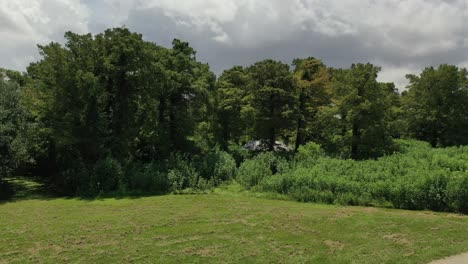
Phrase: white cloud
(401, 35)
(397, 75)
(26, 23)
(417, 27)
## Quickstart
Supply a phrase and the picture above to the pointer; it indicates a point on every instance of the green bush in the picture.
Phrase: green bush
(6, 190)
(148, 178)
(457, 192)
(278, 183)
(309, 154)
(253, 171)
(182, 174)
(218, 166)
(107, 176)
(304, 194)
(74, 176)
(238, 152)
(417, 178)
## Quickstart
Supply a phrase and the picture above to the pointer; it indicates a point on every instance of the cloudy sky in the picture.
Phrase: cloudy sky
(402, 36)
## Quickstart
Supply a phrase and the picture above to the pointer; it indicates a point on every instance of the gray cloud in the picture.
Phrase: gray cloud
(24, 24)
(402, 36)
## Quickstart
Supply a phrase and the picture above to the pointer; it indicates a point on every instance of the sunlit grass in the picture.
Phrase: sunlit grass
(221, 227)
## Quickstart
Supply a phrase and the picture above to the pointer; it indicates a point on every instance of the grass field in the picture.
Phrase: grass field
(221, 227)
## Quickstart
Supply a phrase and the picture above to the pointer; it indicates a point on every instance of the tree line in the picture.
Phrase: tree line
(113, 99)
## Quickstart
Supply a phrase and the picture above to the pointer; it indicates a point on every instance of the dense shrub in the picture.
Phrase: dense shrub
(218, 166)
(147, 177)
(238, 153)
(6, 190)
(74, 176)
(308, 154)
(255, 170)
(457, 192)
(182, 174)
(107, 176)
(417, 178)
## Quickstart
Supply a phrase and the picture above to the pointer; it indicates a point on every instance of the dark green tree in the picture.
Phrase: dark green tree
(271, 97)
(231, 92)
(14, 124)
(436, 106)
(116, 96)
(313, 85)
(363, 108)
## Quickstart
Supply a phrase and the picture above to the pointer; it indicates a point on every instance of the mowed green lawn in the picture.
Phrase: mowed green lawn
(221, 228)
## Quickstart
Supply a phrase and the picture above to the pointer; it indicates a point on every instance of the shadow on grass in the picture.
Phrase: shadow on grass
(22, 188)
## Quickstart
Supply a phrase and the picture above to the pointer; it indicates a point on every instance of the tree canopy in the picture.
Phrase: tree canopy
(115, 104)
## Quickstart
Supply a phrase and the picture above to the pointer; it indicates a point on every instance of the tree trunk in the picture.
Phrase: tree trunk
(434, 137)
(356, 138)
(300, 123)
(299, 138)
(272, 139)
(272, 131)
(225, 135)
(172, 124)
(162, 110)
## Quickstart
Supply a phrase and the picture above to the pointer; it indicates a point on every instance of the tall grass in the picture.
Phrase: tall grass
(418, 177)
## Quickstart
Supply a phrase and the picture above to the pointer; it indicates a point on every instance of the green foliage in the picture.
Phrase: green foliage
(232, 99)
(238, 152)
(271, 100)
(113, 113)
(313, 92)
(114, 94)
(358, 121)
(418, 178)
(107, 176)
(436, 106)
(218, 166)
(14, 123)
(182, 175)
(253, 171)
(146, 177)
(457, 193)
(308, 154)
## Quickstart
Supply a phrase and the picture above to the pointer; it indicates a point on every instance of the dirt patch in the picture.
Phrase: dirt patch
(334, 245)
(201, 252)
(370, 210)
(398, 239)
(343, 214)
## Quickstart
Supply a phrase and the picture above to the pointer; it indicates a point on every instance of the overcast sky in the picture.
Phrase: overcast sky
(402, 36)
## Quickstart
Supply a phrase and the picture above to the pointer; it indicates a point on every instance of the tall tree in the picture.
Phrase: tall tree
(312, 81)
(231, 92)
(184, 99)
(436, 105)
(14, 119)
(121, 57)
(272, 98)
(116, 95)
(363, 107)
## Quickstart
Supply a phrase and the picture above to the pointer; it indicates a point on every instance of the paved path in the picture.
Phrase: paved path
(458, 259)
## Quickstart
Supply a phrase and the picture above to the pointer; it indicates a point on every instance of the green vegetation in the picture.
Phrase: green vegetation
(436, 106)
(112, 114)
(13, 125)
(225, 226)
(417, 178)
